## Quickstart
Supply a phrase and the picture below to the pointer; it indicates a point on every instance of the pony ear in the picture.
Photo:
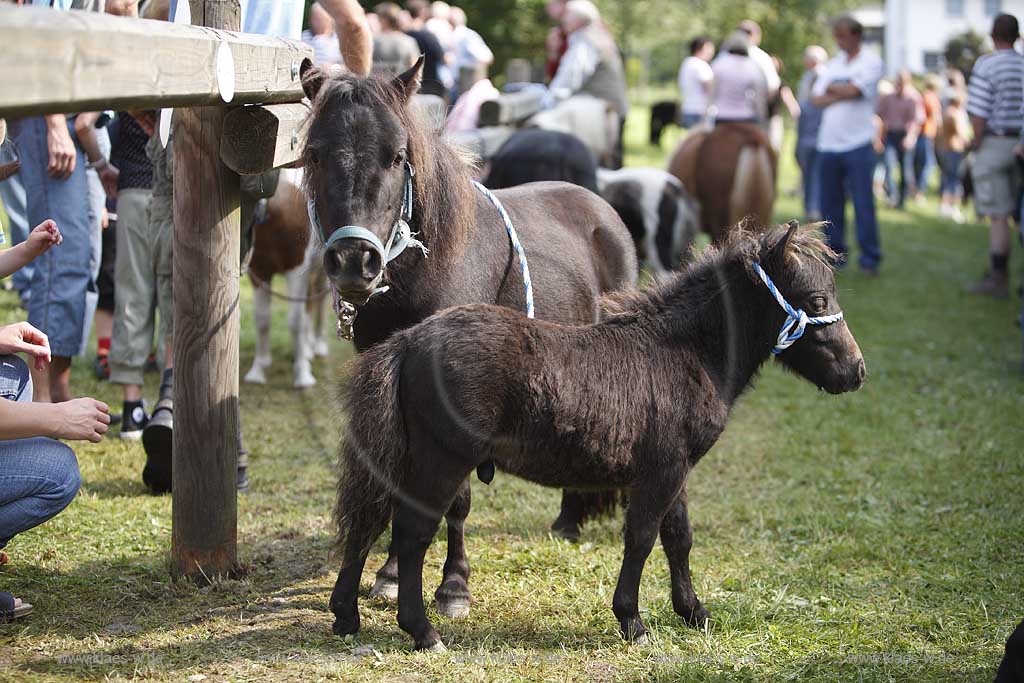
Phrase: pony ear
(408, 83)
(777, 251)
(312, 77)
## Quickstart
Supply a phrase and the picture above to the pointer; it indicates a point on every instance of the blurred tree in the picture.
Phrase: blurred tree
(963, 50)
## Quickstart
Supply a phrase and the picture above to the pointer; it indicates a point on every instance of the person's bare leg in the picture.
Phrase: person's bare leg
(60, 379)
(104, 322)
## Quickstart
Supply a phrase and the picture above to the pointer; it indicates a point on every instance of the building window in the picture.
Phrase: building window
(993, 7)
(955, 8)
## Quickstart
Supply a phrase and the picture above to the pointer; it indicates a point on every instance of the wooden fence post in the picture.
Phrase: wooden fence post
(206, 274)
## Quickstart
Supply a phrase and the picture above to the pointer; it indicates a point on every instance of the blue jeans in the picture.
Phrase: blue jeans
(64, 293)
(690, 120)
(924, 160)
(12, 194)
(851, 171)
(949, 164)
(39, 476)
(895, 156)
(807, 159)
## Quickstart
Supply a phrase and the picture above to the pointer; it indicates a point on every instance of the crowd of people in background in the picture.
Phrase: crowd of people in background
(862, 137)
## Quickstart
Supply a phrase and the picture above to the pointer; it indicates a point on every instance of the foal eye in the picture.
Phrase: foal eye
(399, 158)
(819, 303)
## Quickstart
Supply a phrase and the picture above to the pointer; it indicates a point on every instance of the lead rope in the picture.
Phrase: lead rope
(516, 245)
(797, 320)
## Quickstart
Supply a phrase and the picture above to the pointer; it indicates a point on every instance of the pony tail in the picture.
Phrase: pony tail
(373, 450)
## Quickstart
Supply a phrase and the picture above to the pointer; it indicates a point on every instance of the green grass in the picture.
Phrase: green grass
(876, 536)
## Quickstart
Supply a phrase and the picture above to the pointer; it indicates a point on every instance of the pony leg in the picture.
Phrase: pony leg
(413, 530)
(570, 516)
(301, 328)
(385, 586)
(452, 596)
(261, 317)
(676, 540)
(647, 506)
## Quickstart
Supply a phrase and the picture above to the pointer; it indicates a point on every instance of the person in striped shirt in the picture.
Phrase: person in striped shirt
(995, 96)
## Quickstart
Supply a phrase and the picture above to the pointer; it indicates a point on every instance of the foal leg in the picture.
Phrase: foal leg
(413, 529)
(567, 525)
(647, 505)
(676, 540)
(452, 596)
(261, 317)
(301, 328)
(385, 586)
(345, 597)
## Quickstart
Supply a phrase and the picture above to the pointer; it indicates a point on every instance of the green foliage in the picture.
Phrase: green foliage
(963, 50)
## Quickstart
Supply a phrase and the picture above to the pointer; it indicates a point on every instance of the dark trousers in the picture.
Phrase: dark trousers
(895, 156)
(853, 172)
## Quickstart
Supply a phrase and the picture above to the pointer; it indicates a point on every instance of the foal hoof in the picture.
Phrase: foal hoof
(345, 627)
(385, 589)
(567, 532)
(453, 607)
(436, 647)
(696, 617)
(641, 640)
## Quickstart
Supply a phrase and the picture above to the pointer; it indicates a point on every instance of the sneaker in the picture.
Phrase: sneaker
(157, 442)
(101, 366)
(995, 285)
(133, 422)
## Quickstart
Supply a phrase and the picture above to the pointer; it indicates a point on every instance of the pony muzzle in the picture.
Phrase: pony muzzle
(355, 267)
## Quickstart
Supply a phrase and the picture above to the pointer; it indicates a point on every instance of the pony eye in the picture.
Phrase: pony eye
(399, 158)
(819, 303)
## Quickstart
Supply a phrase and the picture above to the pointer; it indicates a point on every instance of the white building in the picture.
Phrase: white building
(914, 33)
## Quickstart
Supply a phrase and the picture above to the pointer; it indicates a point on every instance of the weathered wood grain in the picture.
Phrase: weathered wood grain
(63, 62)
(259, 138)
(510, 108)
(206, 319)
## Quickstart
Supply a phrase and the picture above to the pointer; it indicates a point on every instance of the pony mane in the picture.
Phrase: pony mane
(442, 188)
(703, 279)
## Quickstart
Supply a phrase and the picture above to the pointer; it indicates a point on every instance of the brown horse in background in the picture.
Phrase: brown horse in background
(731, 171)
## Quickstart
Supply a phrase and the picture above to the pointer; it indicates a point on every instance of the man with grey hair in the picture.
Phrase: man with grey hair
(760, 57)
(591, 64)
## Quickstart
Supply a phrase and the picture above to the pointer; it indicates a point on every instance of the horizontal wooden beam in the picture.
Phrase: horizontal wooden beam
(511, 108)
(484, 143)
(63, 62)
(259, 138)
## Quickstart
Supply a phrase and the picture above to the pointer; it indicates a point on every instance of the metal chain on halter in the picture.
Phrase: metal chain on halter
(797, 320)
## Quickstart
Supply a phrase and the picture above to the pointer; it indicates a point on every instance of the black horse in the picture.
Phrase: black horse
(373, 166)
(633, 401)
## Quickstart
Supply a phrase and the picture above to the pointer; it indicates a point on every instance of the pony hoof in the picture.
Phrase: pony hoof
(386, 589)
(453, 608)
(697, 617)
(321, 350)
(304, 382)
(566, 533)
(642, 640)
(255, 376)
(345, 628)
(437, 647)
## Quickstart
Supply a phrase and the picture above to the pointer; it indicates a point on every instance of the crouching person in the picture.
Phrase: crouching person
(38, 474)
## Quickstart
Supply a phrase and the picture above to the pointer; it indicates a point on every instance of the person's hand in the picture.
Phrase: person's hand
(104, 219)
(146, 120)
(42, 237)
(23, 338)
(909, 142)
(61, 150)
(109, 174)
(81, 419)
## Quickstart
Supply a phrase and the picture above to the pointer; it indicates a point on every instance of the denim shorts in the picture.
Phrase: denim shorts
(63, 288)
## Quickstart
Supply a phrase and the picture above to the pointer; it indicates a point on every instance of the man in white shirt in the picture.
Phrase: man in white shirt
(846, 90)
(740, 92)
(695, 80)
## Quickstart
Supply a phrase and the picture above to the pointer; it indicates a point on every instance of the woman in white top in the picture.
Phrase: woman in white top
(695, 82)
(740, 91)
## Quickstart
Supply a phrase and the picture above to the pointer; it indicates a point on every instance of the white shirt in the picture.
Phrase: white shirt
(849, 124)
(470, 48)
(326, 49)
(579, 63)
(740, 91)
(694, 75)
(771, 76)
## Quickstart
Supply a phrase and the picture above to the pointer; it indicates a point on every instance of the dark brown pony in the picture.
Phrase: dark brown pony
(634, 401)
(730, 170)
(363, 137)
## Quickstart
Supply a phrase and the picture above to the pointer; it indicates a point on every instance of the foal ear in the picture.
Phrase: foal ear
(408, 83)
(778, 250)
(312, 77)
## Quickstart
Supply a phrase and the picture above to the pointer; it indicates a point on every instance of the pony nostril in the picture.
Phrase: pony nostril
(862, 370)
(332, 262)
(371, 264)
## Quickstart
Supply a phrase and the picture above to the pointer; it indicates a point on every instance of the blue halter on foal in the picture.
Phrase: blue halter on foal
(797, 320)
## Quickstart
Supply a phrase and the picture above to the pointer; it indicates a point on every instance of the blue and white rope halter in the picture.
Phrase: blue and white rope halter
(516, 245)
(797, 320)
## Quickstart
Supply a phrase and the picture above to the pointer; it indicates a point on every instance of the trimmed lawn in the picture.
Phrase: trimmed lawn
(876, 536)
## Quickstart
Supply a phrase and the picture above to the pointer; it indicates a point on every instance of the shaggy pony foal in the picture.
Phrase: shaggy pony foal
(631, 402)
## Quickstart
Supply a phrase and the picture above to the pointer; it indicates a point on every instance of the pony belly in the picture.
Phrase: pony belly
(567, 468)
